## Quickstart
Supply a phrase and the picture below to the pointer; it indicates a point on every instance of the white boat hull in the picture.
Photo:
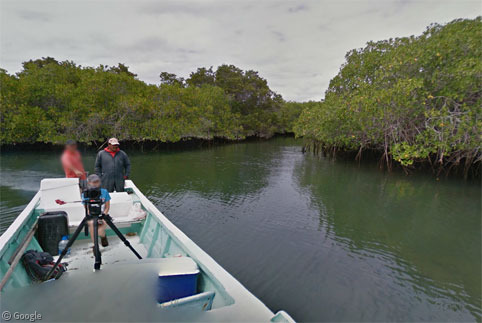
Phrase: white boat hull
(155, 237)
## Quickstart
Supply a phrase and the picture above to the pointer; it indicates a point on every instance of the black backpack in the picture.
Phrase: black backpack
(38, 264)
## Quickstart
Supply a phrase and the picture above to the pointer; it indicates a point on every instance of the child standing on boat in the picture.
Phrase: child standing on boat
(93, 181)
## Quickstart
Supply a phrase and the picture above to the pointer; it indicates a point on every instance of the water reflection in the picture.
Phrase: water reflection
(425, 233)
(326, 241)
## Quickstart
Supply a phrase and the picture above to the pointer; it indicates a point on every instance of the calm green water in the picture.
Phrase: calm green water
(323, 240)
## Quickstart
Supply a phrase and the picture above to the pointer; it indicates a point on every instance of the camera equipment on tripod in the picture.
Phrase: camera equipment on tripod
(93, 211)
(92, 193)
(94, 203)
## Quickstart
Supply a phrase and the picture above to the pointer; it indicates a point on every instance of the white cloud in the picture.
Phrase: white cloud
(298, 46)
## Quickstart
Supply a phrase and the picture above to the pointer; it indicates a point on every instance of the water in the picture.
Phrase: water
(323, 240)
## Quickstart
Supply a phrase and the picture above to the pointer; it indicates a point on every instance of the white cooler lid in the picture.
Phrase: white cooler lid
(177, 266)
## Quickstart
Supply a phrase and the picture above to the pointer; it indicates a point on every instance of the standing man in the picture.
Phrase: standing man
(72, 162)
(113, 166)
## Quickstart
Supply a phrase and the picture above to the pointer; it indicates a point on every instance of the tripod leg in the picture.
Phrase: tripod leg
(108, 219)
(69, 244)
(86, 227)
(98, 260)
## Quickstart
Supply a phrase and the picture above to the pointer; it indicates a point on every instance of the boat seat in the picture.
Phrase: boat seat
(67, 190)
(201, 301)
(120, 205)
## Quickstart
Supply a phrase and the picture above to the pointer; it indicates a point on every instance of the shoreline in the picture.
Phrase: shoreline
(152, 145)
(368, 157)
(384, 163)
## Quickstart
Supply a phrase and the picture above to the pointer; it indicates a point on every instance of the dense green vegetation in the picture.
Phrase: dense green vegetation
(414, 99)
(51, 101)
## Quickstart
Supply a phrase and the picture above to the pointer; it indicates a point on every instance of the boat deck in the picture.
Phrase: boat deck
(82, 256)
(119, 293)
(123, 290)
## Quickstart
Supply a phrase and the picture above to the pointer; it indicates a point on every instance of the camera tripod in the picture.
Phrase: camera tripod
(82, 225)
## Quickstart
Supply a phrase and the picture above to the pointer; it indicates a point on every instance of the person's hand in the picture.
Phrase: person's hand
(78, 173)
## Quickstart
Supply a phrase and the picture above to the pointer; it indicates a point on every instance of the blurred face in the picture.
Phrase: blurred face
(71, 147)
(113, 148)
(94, 184)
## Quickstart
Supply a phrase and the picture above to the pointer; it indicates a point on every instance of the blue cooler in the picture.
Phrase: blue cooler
(177, 278)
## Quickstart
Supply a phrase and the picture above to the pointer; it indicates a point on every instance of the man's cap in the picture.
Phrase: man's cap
(70, 142)
(113, 141)
(93, 178)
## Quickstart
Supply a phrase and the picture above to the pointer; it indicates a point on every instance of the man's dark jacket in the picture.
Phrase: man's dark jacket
(112, 169)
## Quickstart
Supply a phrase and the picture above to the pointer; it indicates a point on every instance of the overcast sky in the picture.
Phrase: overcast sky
(298, 46)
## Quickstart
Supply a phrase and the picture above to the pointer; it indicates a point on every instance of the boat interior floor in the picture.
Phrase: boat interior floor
(118, 293)
(123, 290)
(82, 257)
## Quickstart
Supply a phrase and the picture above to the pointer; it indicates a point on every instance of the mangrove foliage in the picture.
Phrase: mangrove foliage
(413, 99)
(51, 101)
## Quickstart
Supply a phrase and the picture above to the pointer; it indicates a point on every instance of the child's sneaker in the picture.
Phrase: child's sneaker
(104, 242)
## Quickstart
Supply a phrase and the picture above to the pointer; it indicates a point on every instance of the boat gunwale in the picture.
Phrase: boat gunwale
(17, 224)
(237, 291)
(239, 294)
